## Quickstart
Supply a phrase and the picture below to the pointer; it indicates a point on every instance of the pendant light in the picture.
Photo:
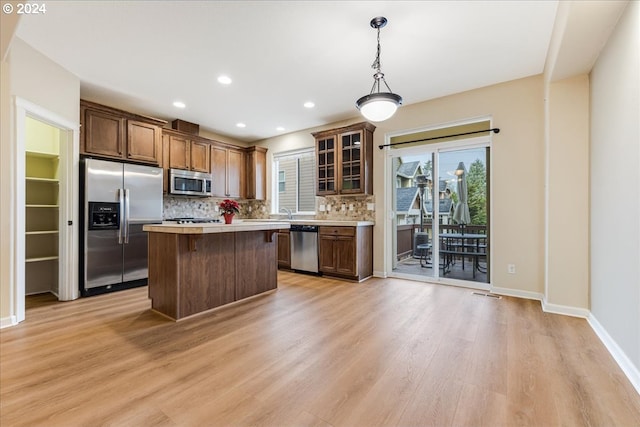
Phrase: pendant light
(378, 106)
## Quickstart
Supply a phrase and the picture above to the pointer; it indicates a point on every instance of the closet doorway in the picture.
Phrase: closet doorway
(46, 208)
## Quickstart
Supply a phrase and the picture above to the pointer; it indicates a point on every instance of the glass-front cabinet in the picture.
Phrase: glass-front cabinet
(326, 154)
(345, 160)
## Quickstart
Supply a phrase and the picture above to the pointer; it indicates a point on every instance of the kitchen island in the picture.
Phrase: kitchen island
(197, 267)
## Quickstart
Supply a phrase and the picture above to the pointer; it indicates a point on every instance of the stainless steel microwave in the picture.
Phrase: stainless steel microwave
(189, 183)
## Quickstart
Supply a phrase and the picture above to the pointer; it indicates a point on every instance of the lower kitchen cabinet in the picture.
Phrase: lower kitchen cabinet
(346, 251)
(284, 249)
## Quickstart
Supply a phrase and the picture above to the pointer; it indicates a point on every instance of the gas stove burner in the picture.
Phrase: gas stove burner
(190, 220)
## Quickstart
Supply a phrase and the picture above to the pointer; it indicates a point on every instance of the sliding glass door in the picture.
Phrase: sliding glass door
(440, 197)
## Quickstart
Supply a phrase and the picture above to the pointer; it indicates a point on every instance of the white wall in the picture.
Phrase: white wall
(29, 75)
(615, 186)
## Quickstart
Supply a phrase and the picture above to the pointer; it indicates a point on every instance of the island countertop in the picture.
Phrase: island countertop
(207, 228)
(328, 222)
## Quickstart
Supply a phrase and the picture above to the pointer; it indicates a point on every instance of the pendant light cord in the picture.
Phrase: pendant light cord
(376, 62)
(379, 75)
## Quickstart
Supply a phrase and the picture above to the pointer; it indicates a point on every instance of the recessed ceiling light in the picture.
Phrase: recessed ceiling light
(241, 125)
(179, 104)
(224, 80)
(279, 128)
(309, 104)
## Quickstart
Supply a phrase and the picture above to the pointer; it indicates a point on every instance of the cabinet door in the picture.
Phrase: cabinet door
(326, 158)
(165, 163)
(219, 171)
(351, 162)
(143, 142)
(284, 249)
(344, 248)
(235, 173)
(326, 254)
(179, 152)
(103, 134)
(200, 157)
(256, 173)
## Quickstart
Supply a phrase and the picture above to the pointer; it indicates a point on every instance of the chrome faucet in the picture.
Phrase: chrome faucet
(288, 212)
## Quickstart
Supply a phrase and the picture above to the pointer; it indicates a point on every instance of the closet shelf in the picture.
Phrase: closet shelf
(42, 154)
(43, 258)
(42, 206)
(38, 179)
(33, 233)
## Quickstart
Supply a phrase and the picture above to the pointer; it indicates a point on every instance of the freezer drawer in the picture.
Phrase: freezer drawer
(103, 258)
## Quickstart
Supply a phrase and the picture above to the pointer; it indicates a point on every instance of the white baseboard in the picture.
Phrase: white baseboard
(564, 309)
(629, 369)
(5, 322)
(380, 274)
(517, 293)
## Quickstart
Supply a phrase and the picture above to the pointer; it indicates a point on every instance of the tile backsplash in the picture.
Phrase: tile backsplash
(348, 208)
(175, 207)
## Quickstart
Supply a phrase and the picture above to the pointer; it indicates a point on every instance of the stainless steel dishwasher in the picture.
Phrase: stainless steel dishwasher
(304, 248)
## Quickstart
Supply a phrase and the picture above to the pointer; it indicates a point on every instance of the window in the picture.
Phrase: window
(296, 176)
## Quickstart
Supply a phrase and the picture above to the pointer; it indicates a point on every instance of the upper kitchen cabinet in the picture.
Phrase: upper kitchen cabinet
(186, 152)
(256, 173)
(110, 133)
(228, 171)
(345, 160)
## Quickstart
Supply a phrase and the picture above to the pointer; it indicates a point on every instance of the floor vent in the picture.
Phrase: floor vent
(482, 294)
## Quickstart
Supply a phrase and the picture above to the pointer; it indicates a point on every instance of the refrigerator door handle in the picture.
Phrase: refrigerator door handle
(126, 207)
(122, 222)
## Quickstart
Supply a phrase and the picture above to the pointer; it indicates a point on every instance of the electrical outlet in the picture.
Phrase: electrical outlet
(371, 206)
(351, 206)
(216, 208)
(322, 208)
(343, 207)
(511, 269)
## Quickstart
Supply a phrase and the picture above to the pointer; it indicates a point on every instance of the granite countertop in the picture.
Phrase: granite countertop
(236, 226)
(329, 222)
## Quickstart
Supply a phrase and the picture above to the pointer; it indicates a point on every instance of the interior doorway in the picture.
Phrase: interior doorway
(440, 195)
(46, 206)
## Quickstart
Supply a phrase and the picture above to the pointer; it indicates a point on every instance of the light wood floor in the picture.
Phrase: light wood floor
(317, 352)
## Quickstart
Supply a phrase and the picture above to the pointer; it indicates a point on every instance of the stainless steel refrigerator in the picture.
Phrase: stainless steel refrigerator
(118, 199)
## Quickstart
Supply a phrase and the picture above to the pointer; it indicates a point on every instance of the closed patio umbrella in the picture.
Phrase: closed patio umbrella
(461, 213)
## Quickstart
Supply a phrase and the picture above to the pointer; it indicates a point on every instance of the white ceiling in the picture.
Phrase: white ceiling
(142, 56)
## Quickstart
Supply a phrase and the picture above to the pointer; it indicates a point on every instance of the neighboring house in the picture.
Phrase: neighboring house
(445, 209)
(406, 174)
(407, 205)
(408, 199)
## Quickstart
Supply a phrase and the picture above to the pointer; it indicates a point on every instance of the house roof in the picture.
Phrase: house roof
(405, 198)
(444, 206)
(408, 170)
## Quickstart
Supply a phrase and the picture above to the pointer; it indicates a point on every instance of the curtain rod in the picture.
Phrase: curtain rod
(496, 130)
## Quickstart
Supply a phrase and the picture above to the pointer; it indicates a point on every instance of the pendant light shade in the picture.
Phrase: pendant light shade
(378, 106)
